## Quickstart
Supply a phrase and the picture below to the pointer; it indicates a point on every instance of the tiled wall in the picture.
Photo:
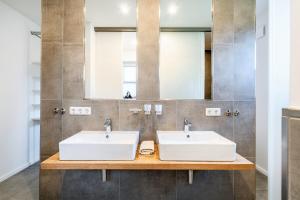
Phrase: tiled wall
(148, 49)
(234, 47)
(290, 154)
(233, 88)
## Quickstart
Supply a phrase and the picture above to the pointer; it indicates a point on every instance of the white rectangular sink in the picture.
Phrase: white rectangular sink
(93, 145)
(199, 146)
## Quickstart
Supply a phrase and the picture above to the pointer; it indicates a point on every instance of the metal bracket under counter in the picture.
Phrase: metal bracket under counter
(190, 175)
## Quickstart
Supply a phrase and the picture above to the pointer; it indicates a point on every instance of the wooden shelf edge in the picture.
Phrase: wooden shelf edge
(146, 163)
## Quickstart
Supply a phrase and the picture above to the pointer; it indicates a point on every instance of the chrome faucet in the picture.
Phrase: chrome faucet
(107, 126)
(187, 126)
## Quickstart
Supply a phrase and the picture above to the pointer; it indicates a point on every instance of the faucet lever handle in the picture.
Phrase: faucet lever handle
(186, 122)
(107, 122)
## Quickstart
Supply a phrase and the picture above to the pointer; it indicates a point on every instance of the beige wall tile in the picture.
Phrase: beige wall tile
(94, 122)
(51, 70)
(74, 22)
(148, 49)
(223, 24)
(244, 71)
(168, 120)
(147, 124)
(223, 72)
(244, 20)
(244, 128)
(194, 111)
(52, 20)
(51, 133)
(73, 67)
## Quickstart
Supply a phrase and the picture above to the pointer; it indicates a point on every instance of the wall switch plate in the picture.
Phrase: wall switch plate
(213, 112)
(80, 111)
(261, 32)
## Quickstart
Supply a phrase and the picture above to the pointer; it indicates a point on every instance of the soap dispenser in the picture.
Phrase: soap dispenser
(147, 109)
(158, 109)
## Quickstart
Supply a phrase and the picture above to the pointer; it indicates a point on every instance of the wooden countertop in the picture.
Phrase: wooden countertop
(143, 162)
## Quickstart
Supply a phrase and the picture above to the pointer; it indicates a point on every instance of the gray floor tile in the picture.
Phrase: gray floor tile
(261, 186)
(22, 186)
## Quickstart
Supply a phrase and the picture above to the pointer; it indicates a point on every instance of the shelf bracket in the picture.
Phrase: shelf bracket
(191, 176)
(104, 175)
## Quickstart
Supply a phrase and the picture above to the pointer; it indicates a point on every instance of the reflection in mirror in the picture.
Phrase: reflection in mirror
(110, 49)
(185, 49)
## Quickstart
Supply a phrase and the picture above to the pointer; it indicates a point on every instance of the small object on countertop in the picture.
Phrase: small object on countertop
(147, 148)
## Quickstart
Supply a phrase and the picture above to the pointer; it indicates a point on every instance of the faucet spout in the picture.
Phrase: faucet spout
(107, 126)
(187, 126)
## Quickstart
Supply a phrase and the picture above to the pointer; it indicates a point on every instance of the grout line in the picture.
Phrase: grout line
(62, 67)
(233, 122)
(119, 110)
(233, 181)
(176, 186)
(119, 185)
(176, 113)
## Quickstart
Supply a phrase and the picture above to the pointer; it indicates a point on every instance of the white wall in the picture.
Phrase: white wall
(262, 56)
(182, 64)
(279, 83)
(108, 65)
(14, 116)
(34, 85)
(295, 58)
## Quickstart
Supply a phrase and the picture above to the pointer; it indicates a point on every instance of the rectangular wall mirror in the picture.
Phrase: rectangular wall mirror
(110, 49)
(185, 49)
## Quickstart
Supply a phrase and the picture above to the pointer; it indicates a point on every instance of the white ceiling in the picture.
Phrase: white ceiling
(106, 13)
(190, 13)
(29, 8)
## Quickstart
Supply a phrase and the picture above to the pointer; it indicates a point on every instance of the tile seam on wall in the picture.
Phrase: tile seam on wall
(62, 71)
(119, 110)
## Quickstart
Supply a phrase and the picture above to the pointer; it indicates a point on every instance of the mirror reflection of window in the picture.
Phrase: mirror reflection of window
(129, 65)
(110, 49)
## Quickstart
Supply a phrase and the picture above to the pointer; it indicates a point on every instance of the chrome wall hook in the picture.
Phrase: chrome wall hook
(236, 113)
(228, 113)
(56, 110)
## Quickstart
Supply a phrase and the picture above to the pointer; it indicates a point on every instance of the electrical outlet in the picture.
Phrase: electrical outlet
(80, 111)
(213, 112)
